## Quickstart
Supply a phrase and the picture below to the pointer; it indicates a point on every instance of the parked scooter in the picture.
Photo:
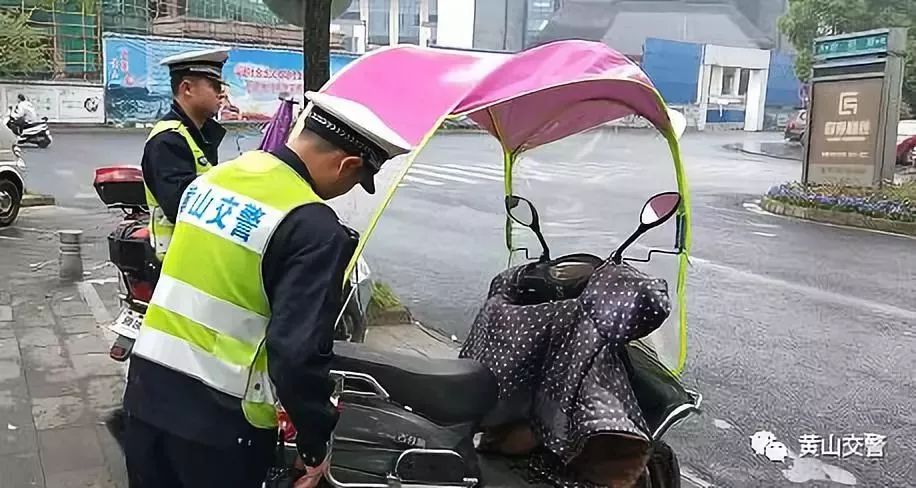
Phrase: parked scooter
(410, 422)
(36, 133)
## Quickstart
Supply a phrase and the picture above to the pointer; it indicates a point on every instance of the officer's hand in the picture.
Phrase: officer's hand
(312, 476)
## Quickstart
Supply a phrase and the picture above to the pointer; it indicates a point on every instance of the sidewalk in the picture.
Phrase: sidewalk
(56, 379)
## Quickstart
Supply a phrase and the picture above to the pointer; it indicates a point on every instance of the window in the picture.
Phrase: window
(409, 21)
(378, 21)
(744, 80)
(728, 80)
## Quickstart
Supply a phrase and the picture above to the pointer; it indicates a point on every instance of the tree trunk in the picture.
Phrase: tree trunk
(316, 40)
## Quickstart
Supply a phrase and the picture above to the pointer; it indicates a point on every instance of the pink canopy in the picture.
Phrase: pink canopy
(526, 99)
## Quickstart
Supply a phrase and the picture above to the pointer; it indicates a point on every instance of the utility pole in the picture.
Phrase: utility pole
(316, 43)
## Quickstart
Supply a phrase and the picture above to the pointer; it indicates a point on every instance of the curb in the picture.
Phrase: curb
(739, 148)
(847, 219)
(35, 200)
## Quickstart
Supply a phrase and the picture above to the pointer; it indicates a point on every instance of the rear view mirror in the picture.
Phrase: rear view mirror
(655, 212)
(522, 211)
(659, 209)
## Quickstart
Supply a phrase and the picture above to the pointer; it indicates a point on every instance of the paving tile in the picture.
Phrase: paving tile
(69, 449)
(17, 431)
(100, 364)
(7, 331)
(78, 325)
(44, 358)
(86, 343)
(41, 336)
(52, 382)
(105, 393)
(74, 307)
(21, 471)
(9, 348)
(63, 411)
(32, 315)
(96, 477)
(6, 313)
(9, 369)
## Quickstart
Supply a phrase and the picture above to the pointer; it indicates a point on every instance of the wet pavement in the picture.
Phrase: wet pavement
(56, 380)
(794, 328)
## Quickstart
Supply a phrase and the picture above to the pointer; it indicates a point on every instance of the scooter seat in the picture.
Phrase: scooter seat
(446, 391)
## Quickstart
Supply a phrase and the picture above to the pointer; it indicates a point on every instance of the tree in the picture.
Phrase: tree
(316, 43)
(808, 19)
(23, 47)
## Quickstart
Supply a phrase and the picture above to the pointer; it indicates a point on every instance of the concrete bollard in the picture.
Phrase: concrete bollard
(71, 259)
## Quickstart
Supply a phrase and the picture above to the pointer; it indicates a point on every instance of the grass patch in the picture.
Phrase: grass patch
(383, 297)
(891, 202)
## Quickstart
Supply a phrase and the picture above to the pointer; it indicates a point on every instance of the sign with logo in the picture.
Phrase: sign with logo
(844, 126)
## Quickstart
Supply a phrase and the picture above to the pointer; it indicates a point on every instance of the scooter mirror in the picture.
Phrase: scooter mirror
(659, 208)
(522, 211)
(656, 211)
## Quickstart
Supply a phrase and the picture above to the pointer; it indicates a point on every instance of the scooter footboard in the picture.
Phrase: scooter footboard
(414, 468)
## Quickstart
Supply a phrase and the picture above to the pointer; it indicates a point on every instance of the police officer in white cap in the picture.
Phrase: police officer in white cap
(184, 143)
(243, 315)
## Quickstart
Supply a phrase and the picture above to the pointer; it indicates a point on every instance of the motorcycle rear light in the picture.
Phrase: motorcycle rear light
(117, 353)
(140, 290)
(118, 174)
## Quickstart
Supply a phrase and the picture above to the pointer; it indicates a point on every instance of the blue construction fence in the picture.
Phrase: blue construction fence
(675, 67)
(138, 89)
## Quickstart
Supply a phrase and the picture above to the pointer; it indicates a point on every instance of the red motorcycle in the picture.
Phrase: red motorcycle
(129, 249)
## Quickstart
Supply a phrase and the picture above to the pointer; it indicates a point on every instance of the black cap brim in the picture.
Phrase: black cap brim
(370, 169)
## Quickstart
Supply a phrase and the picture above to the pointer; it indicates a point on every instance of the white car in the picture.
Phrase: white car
(12, 185)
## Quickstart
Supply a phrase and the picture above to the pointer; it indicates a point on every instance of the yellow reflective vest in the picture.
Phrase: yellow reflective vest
(160, 227)
(209, 313)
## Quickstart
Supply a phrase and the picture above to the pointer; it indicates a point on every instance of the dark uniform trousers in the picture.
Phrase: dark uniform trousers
(159, 459)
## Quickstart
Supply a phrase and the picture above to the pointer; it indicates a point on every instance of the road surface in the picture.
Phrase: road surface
(794, 328)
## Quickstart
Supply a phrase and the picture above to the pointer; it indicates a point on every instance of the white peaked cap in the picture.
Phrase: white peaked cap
(363, 120)
(208, 61)
(214, 56)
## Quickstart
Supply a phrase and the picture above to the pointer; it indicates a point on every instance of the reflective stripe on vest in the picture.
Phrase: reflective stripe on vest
(160, 227)
(209, 313)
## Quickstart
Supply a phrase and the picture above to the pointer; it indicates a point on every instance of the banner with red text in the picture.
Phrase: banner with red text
(137, 88)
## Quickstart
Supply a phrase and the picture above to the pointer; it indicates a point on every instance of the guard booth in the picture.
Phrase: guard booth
(854, 108)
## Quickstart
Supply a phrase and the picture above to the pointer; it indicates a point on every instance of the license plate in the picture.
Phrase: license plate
(127, 324)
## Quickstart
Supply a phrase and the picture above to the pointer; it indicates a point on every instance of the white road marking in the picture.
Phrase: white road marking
(460, 172)
(423, 172)
(481, 169)
(85, 196)
(763, 234)
(11, 238)
(422, 181)
(827, 296)
(764, 226)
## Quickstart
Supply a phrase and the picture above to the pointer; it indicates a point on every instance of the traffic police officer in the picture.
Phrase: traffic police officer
(243, 313)
(185, 143)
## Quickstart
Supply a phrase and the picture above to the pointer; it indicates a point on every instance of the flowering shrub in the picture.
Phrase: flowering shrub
(893, 202)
